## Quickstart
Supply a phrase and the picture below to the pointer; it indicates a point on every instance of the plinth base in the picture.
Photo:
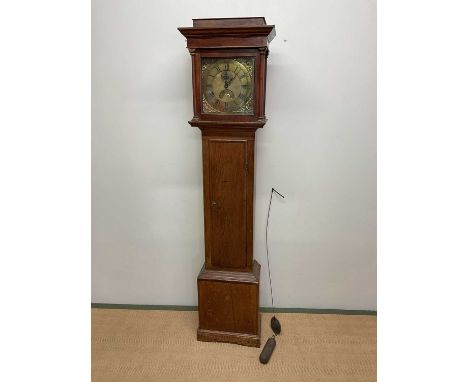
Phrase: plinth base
(228, 306)
(244, 339)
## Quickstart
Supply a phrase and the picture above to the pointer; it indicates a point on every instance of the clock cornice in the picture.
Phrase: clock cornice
(229, 33)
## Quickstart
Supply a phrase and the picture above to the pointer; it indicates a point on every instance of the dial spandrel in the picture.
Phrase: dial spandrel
(228, 85)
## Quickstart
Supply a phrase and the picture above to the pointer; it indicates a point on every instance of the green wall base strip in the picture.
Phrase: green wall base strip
(321, 311)
(143, 307)
(262, 309)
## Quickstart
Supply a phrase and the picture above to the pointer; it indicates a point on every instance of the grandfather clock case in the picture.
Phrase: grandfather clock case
(229, 66)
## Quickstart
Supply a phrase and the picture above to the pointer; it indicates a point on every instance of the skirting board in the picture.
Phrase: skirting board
(264, 309)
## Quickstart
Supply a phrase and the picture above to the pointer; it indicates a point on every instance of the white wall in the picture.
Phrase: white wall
(318, 148)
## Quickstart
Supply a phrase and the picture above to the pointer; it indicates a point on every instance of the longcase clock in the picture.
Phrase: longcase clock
(229, 61)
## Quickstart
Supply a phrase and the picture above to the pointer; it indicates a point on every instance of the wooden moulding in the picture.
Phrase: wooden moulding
(244, 339)
(258, 124)
(229, 33)
(231, 276)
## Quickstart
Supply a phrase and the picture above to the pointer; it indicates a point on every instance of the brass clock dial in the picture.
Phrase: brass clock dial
(228, 85)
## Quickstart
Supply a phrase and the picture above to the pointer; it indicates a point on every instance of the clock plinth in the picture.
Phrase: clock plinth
(229, 81)
(228, 306)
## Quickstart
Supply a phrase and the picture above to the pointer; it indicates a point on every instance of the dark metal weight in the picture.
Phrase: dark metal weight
(268, 350)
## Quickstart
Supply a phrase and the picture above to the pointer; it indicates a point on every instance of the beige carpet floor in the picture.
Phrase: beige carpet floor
(157, 345)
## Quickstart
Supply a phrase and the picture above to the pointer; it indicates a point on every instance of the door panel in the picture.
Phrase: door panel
(228, 193)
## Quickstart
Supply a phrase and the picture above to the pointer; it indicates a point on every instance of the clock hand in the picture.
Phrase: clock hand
(229, 83)
(225, 77)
